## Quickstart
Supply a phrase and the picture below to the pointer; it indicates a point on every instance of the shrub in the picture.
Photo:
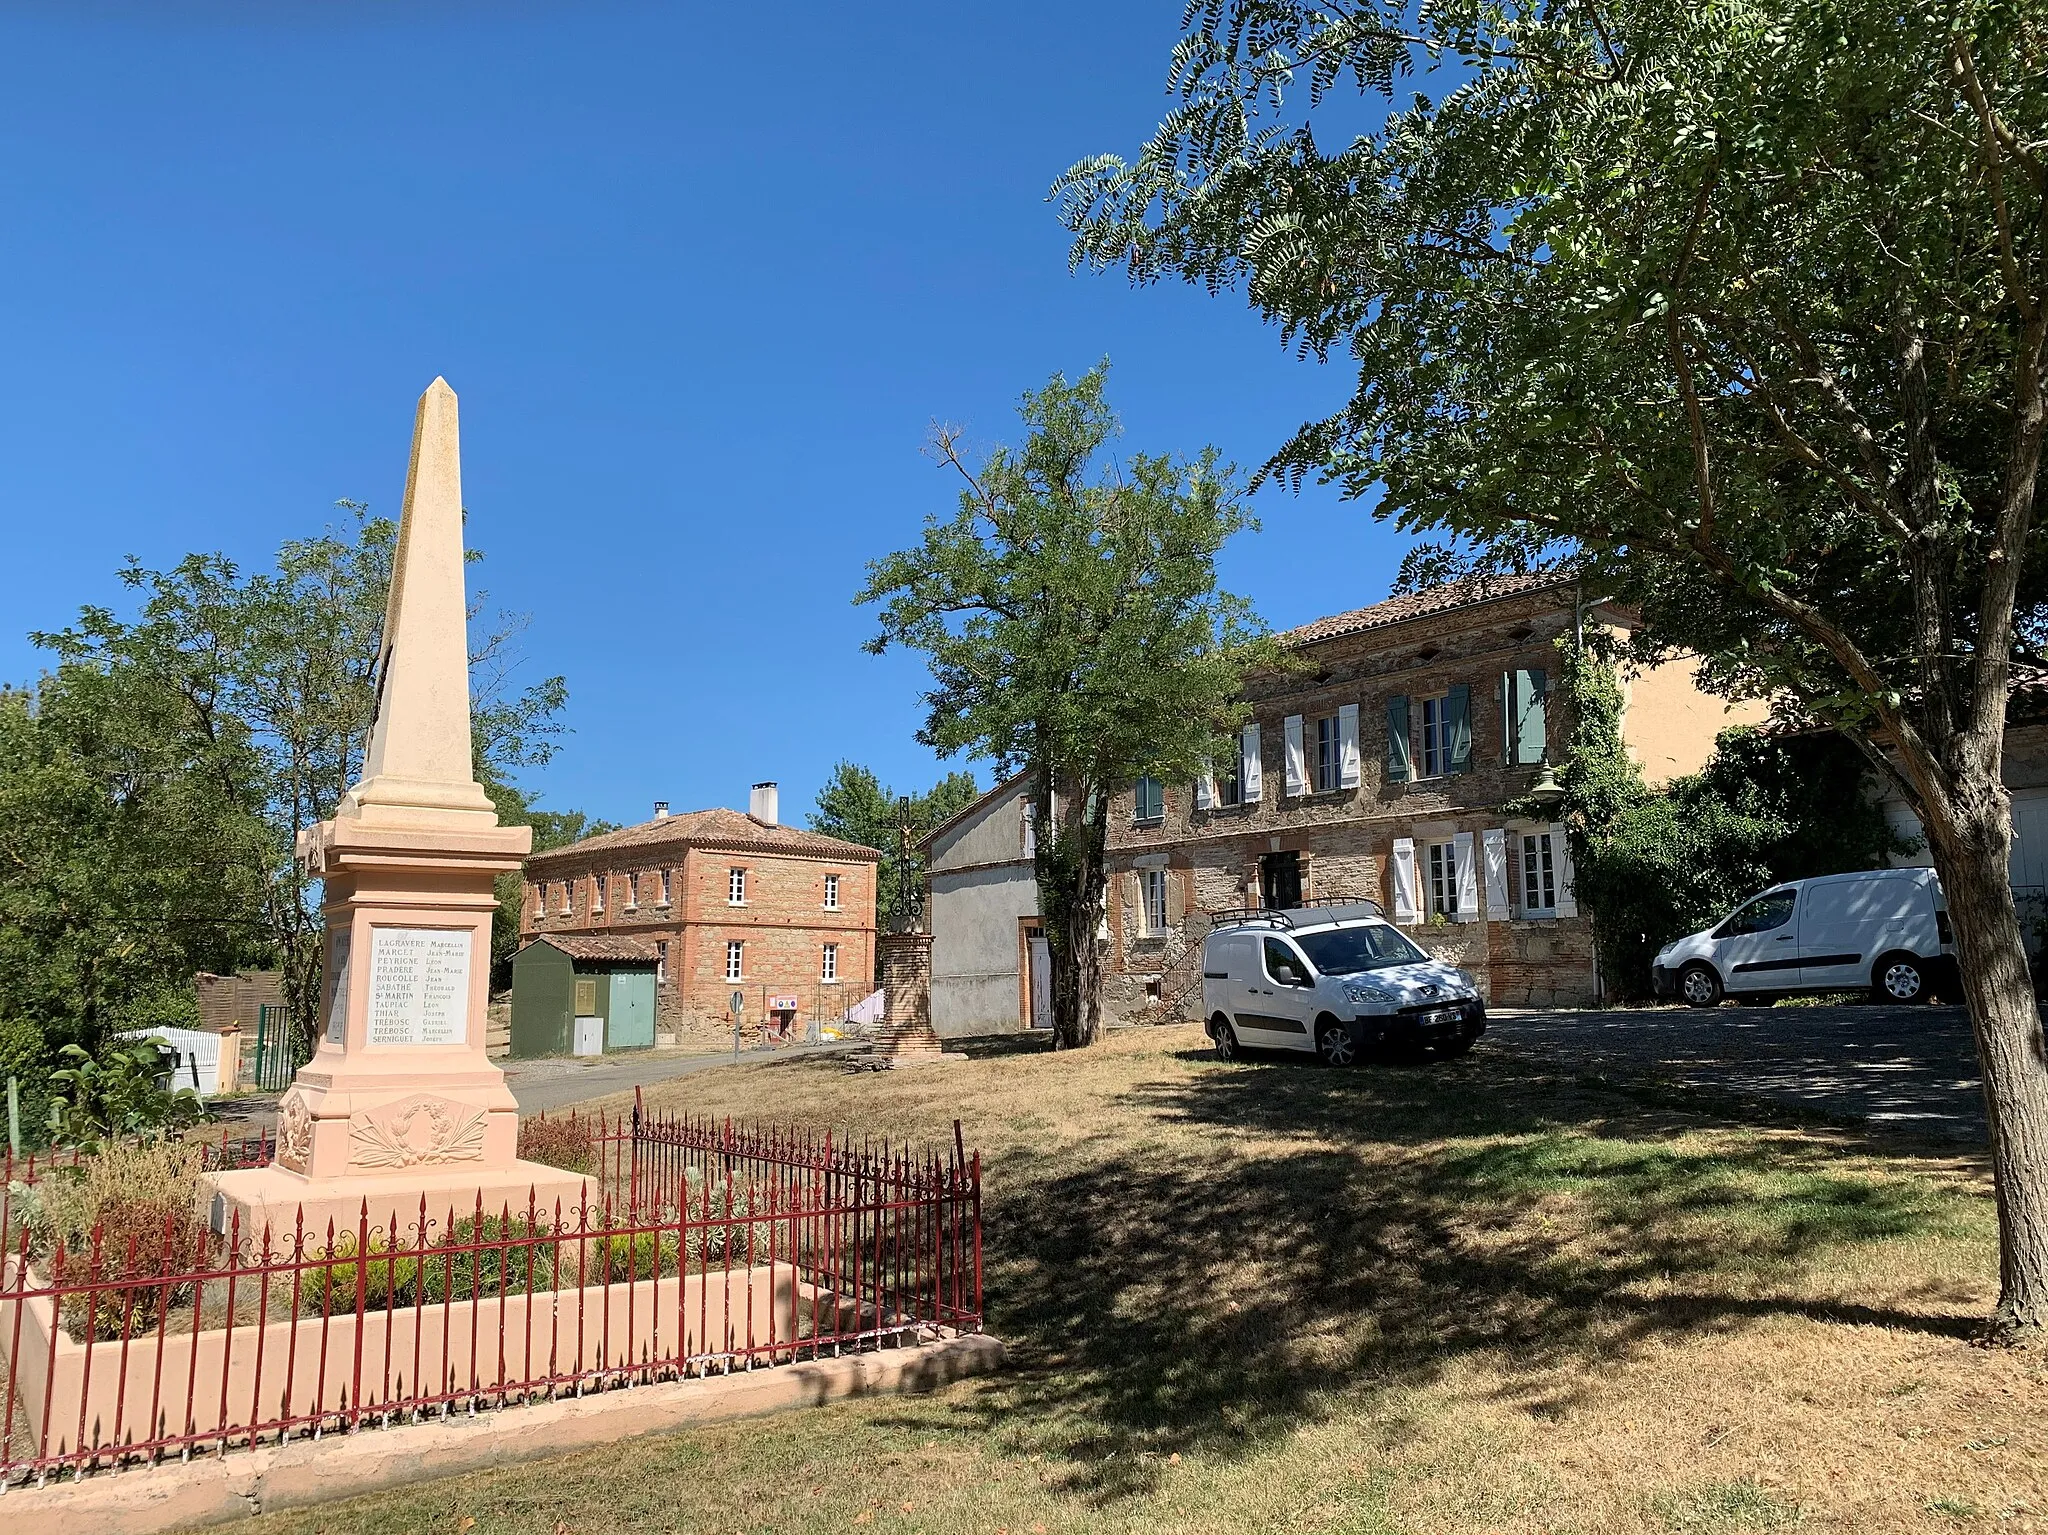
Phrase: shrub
(24, 1056)
(444, 1271)
(145, 1205)
(125, 1091)
(570, 1144)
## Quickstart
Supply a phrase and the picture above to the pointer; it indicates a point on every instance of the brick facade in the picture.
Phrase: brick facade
(1415, 650)
(670, 881)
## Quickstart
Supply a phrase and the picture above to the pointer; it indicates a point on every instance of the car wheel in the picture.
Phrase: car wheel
(1224, 1037)
(1700, 986)
(1899, 978)
(1334, 1044)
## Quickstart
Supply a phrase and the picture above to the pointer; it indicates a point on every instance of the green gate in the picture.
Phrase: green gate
(279, 1054)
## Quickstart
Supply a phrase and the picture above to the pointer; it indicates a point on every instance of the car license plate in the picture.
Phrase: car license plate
(1439, 1018)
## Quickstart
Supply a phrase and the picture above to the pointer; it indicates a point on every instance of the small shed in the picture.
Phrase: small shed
(606, 983)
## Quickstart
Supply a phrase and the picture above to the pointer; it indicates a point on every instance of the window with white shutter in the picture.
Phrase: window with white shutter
(1294, 756)
(1251, 772)
(1494, 846)
(1401, 875)
(1347, 747)
(1467, 906)
(1205, 789)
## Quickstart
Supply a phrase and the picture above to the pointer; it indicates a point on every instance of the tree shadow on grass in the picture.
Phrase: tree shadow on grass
(1242, 1248)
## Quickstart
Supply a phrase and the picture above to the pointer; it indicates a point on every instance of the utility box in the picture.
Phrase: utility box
(582, 996)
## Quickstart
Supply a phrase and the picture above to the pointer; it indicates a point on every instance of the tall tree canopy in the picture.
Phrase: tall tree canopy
(206, 729)
(1070, 613)
(1741, 303)
(855, 807)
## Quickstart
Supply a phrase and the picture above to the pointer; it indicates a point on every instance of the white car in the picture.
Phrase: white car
(1332, 980)
(1884, 929)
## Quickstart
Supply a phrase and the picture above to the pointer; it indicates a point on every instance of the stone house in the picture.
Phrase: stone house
(1377, 771)
(728, 902)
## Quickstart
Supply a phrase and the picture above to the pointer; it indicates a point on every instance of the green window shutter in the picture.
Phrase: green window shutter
(1397, 739)
(1531, 697)
(1458, 718)
(1507, 718)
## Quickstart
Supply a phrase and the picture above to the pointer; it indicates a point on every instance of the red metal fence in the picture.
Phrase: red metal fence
(703, 1248)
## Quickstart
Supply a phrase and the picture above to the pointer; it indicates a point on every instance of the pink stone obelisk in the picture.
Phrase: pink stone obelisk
(399, 1101)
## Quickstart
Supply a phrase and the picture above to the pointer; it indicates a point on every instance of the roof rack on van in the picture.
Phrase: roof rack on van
(1333, 908)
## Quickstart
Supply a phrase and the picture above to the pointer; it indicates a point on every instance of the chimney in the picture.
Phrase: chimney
(661, 810)
(761, 803)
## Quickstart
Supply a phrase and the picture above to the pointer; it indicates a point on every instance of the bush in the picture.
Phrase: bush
(24, 1056)
(145, 1204)
(125, 1091)
(570, 1144)
(442, 1272)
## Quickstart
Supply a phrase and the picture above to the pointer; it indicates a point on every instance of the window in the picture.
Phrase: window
(568, 896)
(1772, 909)
(1229, 786)
(661, 962)
(831, 892)
(1436, 738)
(1284, 967)
(735, 959)
(1349, 950)
(664, 887)
(1329, 754)
(828, 967)
(1152, 893)
(597, 895)
(1442, 870)
(1151, 800)
(736, 888)
(1539, 875)
(632, 884)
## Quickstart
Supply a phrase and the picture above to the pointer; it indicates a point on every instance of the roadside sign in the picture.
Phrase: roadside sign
(782, 1004)
(739, 1003)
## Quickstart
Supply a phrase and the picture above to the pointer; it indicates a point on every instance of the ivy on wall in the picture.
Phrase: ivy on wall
(1653, 865)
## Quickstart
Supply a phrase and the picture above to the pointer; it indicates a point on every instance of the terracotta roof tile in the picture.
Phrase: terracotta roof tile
(720, 828)
(1436, 599)
(595, 947)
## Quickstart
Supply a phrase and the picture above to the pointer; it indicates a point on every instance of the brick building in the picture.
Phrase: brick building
(1377, 771)
(729, 902)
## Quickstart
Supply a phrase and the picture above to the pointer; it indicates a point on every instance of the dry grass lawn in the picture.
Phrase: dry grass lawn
(1465, 1297)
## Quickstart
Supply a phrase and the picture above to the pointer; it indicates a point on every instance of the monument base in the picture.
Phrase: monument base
(255, 1198)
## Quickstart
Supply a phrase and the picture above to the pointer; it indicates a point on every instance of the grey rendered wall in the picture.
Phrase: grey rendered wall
(976, 988)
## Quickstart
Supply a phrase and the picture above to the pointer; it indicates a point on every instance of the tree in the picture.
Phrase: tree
(1074, 628)
(130, 857)
(855, 807)
(270, 674)
(551, 829)
(1741, 304)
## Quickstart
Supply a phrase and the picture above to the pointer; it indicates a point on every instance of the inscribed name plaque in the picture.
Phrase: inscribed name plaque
(419, 986)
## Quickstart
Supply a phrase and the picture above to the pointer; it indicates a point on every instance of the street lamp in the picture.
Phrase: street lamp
(1547, 792)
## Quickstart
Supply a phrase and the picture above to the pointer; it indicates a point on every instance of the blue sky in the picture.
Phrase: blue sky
(702, 277)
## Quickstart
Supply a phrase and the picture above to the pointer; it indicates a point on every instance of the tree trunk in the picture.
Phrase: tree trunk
(1070, 864)
(1971, 853)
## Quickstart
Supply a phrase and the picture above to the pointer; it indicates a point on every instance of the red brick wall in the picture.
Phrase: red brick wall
(784, 924)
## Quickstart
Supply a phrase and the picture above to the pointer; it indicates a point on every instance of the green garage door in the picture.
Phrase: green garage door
(631, 1024)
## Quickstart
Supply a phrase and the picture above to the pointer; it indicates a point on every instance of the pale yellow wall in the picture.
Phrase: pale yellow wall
(1669, 725)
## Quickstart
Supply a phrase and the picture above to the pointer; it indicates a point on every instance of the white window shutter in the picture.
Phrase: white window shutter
(1401, 875)
(1030, 828)
(1561, 860)
(1468, 877)
(1495, 839)
(1248, 775)
(1297, 760)
(1347, 744)
(1205, 788)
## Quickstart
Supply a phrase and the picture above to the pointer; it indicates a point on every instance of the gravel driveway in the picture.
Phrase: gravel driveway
(1912, 1067)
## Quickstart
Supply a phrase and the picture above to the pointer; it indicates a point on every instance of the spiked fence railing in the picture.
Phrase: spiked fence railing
(702, 1247)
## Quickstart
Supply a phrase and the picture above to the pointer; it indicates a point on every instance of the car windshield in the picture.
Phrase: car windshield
(1348, 950)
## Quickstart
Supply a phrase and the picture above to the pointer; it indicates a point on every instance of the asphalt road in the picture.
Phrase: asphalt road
(1910, 1067)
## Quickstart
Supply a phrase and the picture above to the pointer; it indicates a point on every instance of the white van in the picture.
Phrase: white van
(1885, 929)
(1331, 979)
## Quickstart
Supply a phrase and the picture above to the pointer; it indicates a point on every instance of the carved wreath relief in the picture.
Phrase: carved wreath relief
(294, 1132)
(416, 1132)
